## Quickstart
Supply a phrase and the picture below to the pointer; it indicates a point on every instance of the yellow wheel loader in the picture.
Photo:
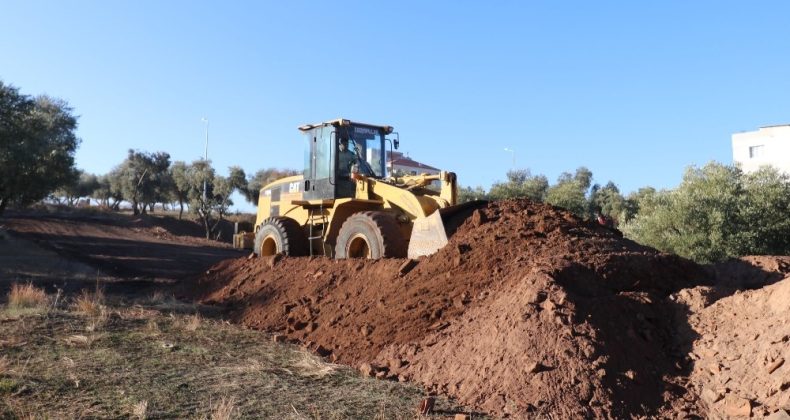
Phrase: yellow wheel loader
(345, 205)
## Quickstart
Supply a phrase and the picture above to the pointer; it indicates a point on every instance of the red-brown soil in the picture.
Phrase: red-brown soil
(527, 310)
(147, 247)
(741, 348)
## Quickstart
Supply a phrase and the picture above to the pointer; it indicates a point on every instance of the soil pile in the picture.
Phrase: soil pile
(742, 338)
(527, 310)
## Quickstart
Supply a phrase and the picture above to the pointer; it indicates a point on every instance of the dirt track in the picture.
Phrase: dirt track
(527, 311)
(140, 248)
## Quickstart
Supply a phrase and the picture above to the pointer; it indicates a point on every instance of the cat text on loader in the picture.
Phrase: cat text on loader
(345, 206)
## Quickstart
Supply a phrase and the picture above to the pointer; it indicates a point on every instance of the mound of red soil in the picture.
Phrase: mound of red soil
(527, 310)
(741, 338)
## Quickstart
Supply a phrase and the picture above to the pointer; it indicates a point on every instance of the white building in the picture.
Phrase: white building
(404, 165)
(766, 146)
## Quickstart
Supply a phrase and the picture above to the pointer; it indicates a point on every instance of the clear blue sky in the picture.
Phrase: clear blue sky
(635, 91)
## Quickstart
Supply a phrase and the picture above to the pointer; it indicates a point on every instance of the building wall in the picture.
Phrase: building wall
(413, 170)
(766, 146)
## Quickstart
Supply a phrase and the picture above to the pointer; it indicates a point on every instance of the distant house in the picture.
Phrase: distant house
(404, 165)
(766, 146)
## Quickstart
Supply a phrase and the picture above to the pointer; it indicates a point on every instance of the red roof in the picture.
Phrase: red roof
(405, 161)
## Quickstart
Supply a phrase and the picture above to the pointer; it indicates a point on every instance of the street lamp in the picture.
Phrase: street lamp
(205, 157)
(513, 153)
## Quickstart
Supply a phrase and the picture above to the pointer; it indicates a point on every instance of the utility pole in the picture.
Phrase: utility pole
(205, 157)
(513, 153)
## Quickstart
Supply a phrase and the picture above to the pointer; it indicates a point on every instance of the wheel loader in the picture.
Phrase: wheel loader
(346, 205)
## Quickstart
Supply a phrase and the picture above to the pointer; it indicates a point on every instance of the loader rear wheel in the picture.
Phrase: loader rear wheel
(280, 235)
(372, 235)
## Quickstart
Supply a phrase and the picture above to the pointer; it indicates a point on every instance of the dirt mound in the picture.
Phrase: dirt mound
(528, 309)
(741, 338)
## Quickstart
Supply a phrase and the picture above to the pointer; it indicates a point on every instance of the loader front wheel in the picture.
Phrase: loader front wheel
(280, 235)
(371, 235)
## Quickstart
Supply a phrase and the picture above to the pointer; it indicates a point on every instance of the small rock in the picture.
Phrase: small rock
(714, 368)
(366, 369)
(775, 365)
(779, 415)
(273, 260)
(365, 330)
(533, 367)
(396, 363)
(382, 374)
(322, 351)
(278, 338)
(462, 417)
(710, 396)
(735, 406)
(479, 218)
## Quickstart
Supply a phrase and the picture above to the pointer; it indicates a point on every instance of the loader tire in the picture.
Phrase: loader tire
(371, 235)
(280, 235)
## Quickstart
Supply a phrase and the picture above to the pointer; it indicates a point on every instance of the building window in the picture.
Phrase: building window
(756, 151)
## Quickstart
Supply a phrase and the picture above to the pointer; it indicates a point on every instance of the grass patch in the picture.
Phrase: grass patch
(90, 304)
(154, 363)
(26, 299)
(8, 385)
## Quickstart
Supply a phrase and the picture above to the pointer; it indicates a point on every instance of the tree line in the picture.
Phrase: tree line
(37, 146)
(717, 212)
(146, 179)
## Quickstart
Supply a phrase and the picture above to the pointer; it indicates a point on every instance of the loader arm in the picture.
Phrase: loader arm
(427, 232)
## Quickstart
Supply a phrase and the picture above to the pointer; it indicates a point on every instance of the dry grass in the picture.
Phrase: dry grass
(140, 410)
(71, 373)
(192, 322)
(157, 297)
(5, 366)
(224, 409)
(309, 365)
(27, 296)
(91, 304)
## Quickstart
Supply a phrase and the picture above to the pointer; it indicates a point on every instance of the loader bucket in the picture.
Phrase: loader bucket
(430, 233)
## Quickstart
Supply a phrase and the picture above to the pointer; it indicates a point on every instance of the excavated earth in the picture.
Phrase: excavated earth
(531, 311)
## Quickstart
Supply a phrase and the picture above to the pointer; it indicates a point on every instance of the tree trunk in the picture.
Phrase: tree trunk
(135, 210)
(181, 211)
(204, 217)
(3, 204)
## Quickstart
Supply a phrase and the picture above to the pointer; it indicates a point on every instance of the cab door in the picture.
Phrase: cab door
(319, 174)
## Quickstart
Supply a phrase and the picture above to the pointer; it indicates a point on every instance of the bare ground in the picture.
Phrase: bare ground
(144, 354)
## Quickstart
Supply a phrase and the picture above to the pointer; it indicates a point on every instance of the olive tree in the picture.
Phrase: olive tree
(209, 194)
(37, 146)
(570, 191)
(520, 183)
(142, 179)
(261, 179)
(717, 212)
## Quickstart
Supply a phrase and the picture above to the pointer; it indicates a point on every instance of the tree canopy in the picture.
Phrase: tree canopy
(717, 212)
(37, 146)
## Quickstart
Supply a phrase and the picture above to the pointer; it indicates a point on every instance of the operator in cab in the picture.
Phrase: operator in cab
(346, 159)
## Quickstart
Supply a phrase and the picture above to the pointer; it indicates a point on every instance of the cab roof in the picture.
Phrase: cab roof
(343, 122)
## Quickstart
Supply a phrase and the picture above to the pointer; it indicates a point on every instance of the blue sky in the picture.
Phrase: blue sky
(635, 91)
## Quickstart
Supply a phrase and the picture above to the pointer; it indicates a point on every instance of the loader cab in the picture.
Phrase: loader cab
(336, 149)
